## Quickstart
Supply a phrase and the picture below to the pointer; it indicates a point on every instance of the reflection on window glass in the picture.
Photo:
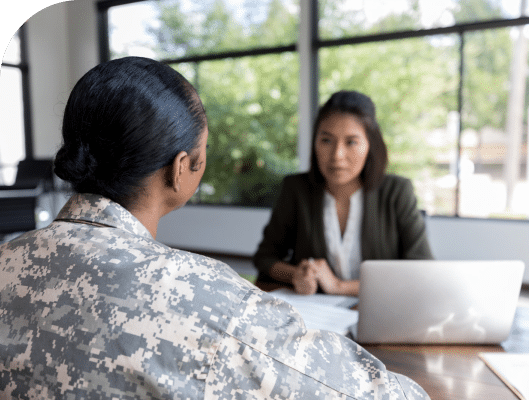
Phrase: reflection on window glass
(130, 30)
(345, 18)
(12, 148)
(413, 83)
(251, 106)
(482, 10)
(12, 54)
(494, 175)
(175, 29)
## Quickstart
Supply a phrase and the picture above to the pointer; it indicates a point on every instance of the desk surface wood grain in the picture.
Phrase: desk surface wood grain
(455, 372)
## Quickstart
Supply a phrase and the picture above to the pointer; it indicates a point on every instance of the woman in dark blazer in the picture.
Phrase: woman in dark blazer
(344, 210)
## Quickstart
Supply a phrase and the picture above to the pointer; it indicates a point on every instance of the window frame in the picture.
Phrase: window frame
(103, 7)
(24, 68)
(308, 47)
(460, 30)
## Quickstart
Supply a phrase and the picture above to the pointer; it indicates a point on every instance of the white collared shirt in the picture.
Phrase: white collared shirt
(344, 254)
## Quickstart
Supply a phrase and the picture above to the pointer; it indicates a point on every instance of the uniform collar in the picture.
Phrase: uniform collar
(96, 209)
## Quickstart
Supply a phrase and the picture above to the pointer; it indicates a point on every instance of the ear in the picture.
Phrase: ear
(180, 166)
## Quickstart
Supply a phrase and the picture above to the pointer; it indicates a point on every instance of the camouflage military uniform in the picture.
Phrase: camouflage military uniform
(92, 307)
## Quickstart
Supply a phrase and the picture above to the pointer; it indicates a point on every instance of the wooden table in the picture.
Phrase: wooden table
(456, 372)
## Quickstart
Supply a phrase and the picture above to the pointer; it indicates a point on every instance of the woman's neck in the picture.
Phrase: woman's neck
(151, 204)
(344, 192)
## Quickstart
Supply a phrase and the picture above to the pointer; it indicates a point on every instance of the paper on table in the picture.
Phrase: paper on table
(329, 315)
(512, 369)
(318, 298)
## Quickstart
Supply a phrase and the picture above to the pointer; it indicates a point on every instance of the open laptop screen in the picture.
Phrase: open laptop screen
(431, 301)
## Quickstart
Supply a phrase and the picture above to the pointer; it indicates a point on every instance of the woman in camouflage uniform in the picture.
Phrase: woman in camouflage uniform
(93, 307)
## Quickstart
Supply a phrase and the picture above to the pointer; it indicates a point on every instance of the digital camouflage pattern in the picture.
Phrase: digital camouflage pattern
(92, 307)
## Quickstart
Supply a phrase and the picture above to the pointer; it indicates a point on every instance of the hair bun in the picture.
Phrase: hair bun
(75, 164)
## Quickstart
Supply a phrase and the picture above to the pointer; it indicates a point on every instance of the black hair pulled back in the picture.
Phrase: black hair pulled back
(361, 106)
(124, 120)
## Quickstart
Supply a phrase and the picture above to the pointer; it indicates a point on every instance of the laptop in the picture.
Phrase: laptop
(443, 302)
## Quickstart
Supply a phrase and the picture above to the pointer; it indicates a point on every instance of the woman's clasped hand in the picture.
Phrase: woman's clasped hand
(313, 273)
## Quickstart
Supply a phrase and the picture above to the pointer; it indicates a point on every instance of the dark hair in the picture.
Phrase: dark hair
(361, 106)
(124, 120)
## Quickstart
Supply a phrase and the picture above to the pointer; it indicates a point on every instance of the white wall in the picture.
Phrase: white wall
(229, 230)
(63, 45)
(47, 100)
(479, 239)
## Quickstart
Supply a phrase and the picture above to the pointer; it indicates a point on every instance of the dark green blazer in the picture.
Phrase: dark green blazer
(392, 226)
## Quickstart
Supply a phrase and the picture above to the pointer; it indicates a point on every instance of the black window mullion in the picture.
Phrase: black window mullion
(102, 26)
(460, 122)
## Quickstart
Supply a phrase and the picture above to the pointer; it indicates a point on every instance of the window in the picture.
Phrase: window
(241, 58)
(12, 134)
(493, 180)
(449, 82)
(448, 78)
